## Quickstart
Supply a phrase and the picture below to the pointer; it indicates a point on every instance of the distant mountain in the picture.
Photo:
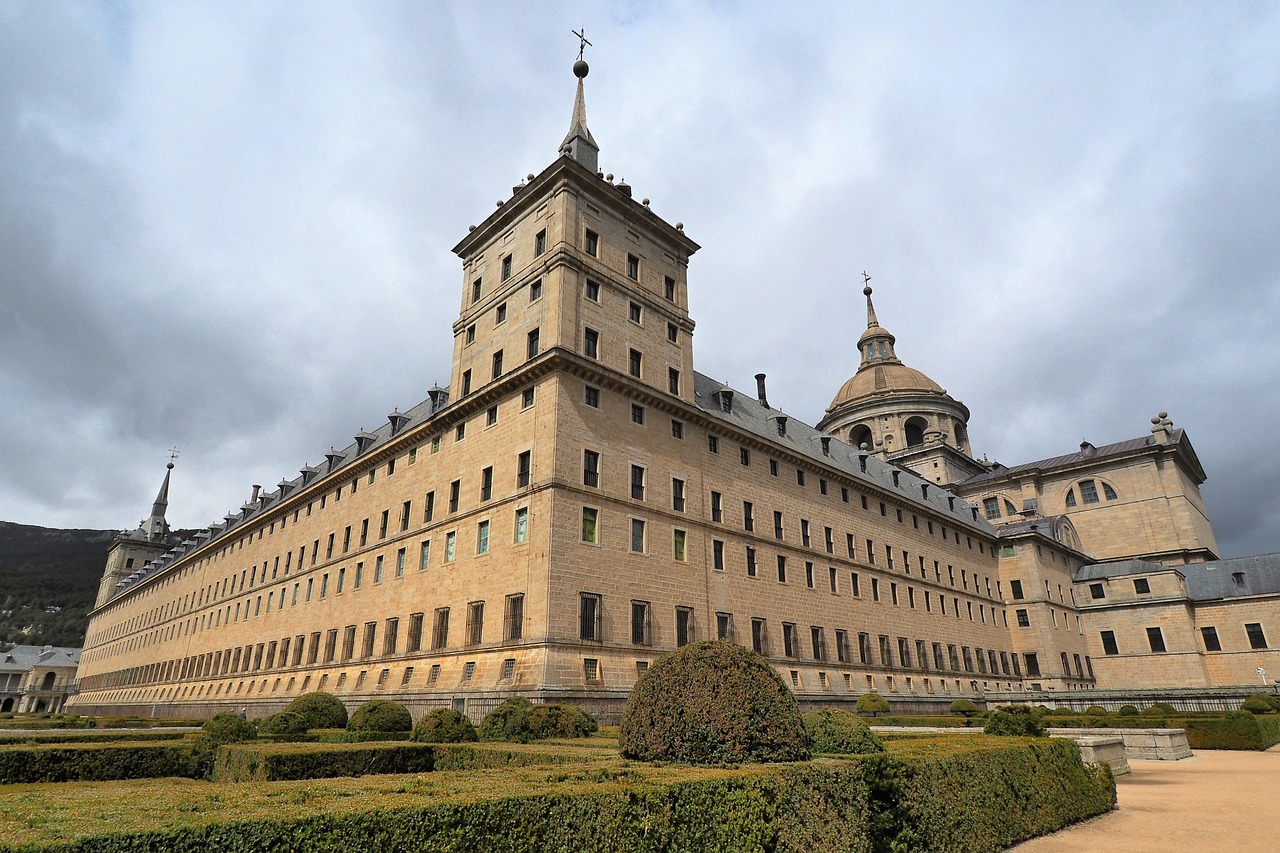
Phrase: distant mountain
(48, 582)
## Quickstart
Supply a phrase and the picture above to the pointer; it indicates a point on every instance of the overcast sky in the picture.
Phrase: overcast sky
(226, 226)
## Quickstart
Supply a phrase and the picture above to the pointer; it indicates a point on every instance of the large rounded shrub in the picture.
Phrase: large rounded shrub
(1096, 711)
(712, 702)
(380, 715)
(226, 728)
(1159, 709)
(518, 720)
(1015, 721)
(320, 710)
(444, 725)
(1128, 711)
(282, 724)
(838, 732)
(964, 708)
(1261, 703)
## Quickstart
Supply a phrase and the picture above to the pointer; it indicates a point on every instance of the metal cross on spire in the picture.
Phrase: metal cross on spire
(583, 44)
(866, 279)
(173, 454)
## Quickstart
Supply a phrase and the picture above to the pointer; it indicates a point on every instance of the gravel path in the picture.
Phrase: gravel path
(1217, 800)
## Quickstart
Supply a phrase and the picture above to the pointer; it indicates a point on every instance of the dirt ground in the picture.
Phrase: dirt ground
(1216, 800)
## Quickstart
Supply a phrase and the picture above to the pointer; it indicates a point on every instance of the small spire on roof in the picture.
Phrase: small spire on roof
(578, 142)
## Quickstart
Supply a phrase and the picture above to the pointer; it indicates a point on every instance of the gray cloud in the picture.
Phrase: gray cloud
(228, 227)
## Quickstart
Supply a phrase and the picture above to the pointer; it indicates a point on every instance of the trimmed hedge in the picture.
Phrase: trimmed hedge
(837, 732)
(93, 737)
(950, 794)
(1236, 730)
(94, 762)
(518, 720)
(1014, 721)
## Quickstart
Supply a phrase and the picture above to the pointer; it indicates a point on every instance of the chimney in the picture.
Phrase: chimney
(764, 401)
(254, 497)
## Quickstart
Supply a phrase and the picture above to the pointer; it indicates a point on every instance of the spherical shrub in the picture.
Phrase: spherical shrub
(1014, 721)
(712, 702)
(1128, 711)
(1159, 709)
(380, 715)
(226, 728)
(284, 723)
(1261, 703)
(964, 707)
(320, 710)
(838, 732)
(518, 720)
(1096, 711)
(444, 725)
(871, 703)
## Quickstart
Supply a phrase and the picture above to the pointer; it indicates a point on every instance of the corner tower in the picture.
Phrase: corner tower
(131, 549)
(900, 413)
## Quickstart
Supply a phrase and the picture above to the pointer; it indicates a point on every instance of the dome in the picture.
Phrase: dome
(884, 378)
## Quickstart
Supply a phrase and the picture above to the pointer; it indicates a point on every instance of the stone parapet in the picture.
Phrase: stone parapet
(1156, 744)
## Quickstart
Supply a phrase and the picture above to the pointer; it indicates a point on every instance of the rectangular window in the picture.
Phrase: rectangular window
(777, 525)
(717, 555)
(808, 574)
(424, 555)
(1109, 646)
(637, 535)
(593, 291)
(1015, 589)
(440, 628)
(455, 493)
(475, 290)
(591, 468)
(640, 623)
(842, 646)
(818, 641)
(673, 380)
(513, 617)
(590, 531)
(377, 569)
(751, 562)
(759, 637)
(635, 362)
(790, 640)
(635, 313)
(482, 538)
(475, 623)
(677, 494)
(532, 345)
(526, 398)
(405, 510)
(522, 525)
(413, 642)
(535, 291)
(677, 429)
(591, 245)
(486, 483)
(390, 637)
(633, 267)
(717, 513)
(673, 332)
(713, 444)
(678, 546)
(782, 568)
(724, 626)
(1024, 620)
(1155, 638)
(370, 634)
(1096, 591)
(637, 483)
(1211, 643)
(748, 516)
(1257, 639)
(589, 617)
(669, 288)
(430, 510)
(466, 381)
(637, 414)
(591, 343)
(540, 242)
(400, 559)
(450, 546)
(506, 268)
(524, 464)
(1141, 586)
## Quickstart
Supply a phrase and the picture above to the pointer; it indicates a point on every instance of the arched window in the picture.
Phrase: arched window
(1088, 491)
(861, 435)
(1108, 492)
(1009, 508)
(915, 432)
(47, 684)
(1071, 498)
(961, 437)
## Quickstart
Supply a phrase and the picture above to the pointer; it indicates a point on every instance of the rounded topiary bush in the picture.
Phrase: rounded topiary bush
(444, 725)
(1260, 703)
(872, 703)
(284, 723)
(380, 715)
(964, 707)
(320, 710)
(1128, 711)
(226, 728)
(1096, 711)
(1014, 721)
(1159, 709)
(518, 720)
(838, 732)
(712, 702)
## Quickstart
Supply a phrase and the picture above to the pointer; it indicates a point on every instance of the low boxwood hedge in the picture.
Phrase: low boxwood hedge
(94, 762)
(1236, 730)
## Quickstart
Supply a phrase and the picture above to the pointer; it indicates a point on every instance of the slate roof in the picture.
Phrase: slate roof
(747, 414)
(1081, 457)
(23, 658)
(1211, 581)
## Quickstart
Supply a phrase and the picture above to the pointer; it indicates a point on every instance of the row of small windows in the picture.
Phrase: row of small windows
(1089, 492)
(591, 245)
(539, 248)
(1256, 637)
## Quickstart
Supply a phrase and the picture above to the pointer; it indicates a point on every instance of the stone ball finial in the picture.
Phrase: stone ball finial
(1164, 415)
(169, 466)
(866, 291)
(581, 69)
(1155, 419)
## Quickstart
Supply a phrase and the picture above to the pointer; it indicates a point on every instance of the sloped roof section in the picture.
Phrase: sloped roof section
(1177, 442)
(1212, 581)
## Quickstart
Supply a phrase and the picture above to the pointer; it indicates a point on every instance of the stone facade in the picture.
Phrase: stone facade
(37, 678)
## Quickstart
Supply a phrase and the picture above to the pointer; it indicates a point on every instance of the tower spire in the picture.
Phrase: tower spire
(871, 308)
(156, 528)
(876, 343)
(578, 142)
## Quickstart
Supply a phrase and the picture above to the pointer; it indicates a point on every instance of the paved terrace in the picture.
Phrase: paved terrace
(1216, 800)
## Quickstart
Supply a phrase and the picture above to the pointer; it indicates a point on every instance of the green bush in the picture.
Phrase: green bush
(1128, 711)
(1159, 709)
(276, 762)
(283, 724)
(1014, 721)
(444, 725)
(380, 715)
(320, 710)
(225, 728)
(518, 720)
(1234, 730)
(964, 708)
(837, 732)
(712, 702)
(872, 703)
(1096, 711)
(94, 762)
(1261, 703)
